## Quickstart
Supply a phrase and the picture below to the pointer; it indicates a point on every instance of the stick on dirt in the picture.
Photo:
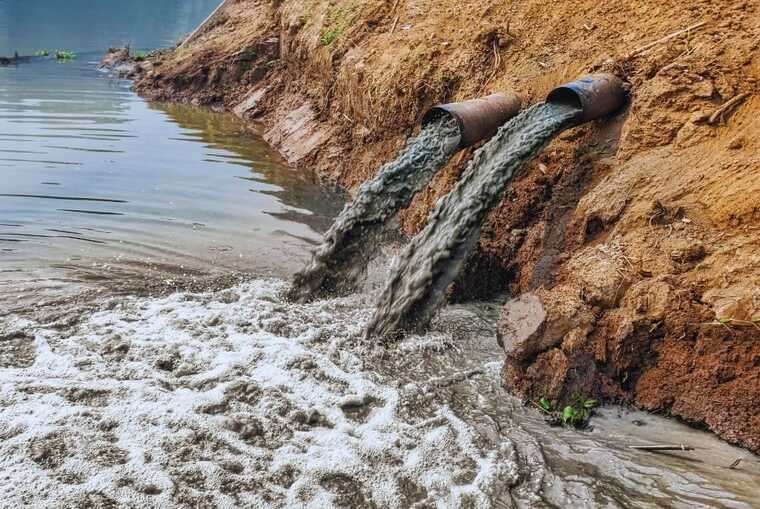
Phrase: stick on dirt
(680, 447)
(395, 22)
(718, 115)
(665, 39)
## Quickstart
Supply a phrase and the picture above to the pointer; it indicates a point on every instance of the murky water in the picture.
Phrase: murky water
(342, 257)
(97, 183)
(431, 261)
(238, 398)
(228, 395)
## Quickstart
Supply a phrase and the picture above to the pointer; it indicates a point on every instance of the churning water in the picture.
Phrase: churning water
(343, 255)
(431, 261)
(229, 395)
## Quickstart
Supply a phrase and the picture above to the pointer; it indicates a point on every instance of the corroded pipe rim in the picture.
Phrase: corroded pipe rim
(477, 119)
(595, 95)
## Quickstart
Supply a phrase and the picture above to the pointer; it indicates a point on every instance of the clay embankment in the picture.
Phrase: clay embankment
(633, 244)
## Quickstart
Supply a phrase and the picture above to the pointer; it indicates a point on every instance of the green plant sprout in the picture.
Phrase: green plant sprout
(578, 411)
(545, 405)
(337, 22)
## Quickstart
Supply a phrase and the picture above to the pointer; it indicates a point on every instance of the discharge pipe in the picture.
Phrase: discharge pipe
(478, 119)
(595, 95)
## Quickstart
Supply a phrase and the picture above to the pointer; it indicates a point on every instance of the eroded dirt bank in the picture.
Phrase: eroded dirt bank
(631, 246)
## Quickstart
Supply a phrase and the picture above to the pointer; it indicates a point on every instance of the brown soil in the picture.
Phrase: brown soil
(632, 245)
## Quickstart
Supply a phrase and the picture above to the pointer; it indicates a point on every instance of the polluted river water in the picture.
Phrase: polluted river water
(431, 261)
(118, 391)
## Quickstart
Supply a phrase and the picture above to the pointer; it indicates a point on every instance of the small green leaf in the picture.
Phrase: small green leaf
(589, 403)
(568, 414)
(545, 404)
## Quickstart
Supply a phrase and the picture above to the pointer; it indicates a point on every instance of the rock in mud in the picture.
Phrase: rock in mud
(122, 64)
(537, 322)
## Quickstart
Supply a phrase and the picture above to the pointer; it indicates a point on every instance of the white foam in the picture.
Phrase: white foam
(229, 399)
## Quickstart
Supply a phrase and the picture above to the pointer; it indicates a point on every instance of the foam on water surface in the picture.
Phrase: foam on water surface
(227, 399)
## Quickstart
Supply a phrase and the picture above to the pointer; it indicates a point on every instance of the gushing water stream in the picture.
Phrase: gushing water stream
(339, 261)
(115, 394)
(432, 260)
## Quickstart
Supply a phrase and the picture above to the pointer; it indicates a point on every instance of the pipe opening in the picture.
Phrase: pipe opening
(595, 96)
(566, 96)
(477, 119)
(436, 114)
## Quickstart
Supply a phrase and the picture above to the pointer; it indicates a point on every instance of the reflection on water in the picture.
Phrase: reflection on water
(97, 186)
(94, 172)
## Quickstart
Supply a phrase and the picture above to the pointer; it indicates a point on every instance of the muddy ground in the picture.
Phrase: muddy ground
(632, 245)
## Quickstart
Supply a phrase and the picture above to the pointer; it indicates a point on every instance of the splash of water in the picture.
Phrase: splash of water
(429, 264)
(341, 258)
(233, 398)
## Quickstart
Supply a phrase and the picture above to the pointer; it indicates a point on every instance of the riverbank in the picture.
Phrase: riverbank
(635, 240)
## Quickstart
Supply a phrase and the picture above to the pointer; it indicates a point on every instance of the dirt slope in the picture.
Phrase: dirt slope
(632, 246)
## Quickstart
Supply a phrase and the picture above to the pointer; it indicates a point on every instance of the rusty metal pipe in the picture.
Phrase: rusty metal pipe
(478, 119)
(596, 95)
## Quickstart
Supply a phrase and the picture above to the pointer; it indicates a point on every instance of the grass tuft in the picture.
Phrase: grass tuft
(578, 411)
(338, 20)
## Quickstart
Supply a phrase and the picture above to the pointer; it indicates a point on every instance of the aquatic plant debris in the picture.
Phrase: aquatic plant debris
(431, 261)
(227, 399)
(342, 256)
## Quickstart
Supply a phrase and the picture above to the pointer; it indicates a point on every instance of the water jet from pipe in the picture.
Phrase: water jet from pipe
(433, 259)
(342, 257)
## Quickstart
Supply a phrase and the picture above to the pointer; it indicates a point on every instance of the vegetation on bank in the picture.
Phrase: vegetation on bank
(62, 55)
(337, 21)
(577, 413)
(65, 55)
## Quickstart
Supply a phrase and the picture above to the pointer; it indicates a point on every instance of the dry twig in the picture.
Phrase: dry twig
(680, 447)
(665, 39)
(720, 114)
(395, 22)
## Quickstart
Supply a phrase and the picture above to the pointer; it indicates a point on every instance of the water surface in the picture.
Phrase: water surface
(98, 187)
(93, 176)
(93, 25)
